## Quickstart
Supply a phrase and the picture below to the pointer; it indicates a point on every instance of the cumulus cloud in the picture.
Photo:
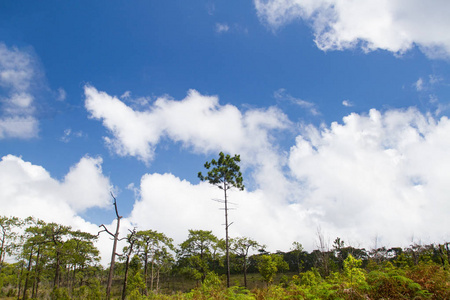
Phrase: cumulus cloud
(199, 122)
(35, 192)
(18, 71)
(29, 190)
(378, 175)
(395, 26)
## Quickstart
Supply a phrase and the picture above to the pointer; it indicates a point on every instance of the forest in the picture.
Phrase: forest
(40, 260)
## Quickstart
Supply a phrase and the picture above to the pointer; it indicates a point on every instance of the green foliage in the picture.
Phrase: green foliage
(354, 274)
(47, 250)
(269, 265)
(135, 285)
(197, 252)
(224, 172)
(214, 288)
(59, 294)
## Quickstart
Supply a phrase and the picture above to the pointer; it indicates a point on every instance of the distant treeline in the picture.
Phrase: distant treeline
(52, 261)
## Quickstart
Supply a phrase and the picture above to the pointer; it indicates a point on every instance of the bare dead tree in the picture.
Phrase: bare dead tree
(324, 249)
(113, 255)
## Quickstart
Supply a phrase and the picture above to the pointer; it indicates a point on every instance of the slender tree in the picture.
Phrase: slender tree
(241, 246)
(113, 254)
(225, 174)
(128, 251)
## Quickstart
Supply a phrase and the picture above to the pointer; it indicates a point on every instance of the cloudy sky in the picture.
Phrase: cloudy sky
(339, 110)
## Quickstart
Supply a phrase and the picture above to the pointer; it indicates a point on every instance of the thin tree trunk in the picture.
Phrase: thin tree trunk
(113, 260)
(146, 273)
(226, 234)
(56, 281)
(245, 271)
(152, 276)
(24, 296)
(157, 281)
(125, 280)
(36, 274)
(19, 279)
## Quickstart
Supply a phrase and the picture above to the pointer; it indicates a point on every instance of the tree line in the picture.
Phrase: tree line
(52, 260)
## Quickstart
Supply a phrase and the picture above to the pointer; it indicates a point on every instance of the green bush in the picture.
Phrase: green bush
(59, 294)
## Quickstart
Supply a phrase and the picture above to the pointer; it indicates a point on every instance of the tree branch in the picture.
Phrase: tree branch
(105, 229)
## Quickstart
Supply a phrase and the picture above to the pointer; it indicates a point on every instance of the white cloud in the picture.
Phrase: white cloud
(35, 192)
(222, 27)
(347, 103)
(378, 175)
(281, 94)
(17, 73)
(381, 174)
(199, 122)
(125, 95)
(395, 25)
(61, 94)
(419, 84)
(19, 127)
(68, 134)
(171, 205)
(29, 190)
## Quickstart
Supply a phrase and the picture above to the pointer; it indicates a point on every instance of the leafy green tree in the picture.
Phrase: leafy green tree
(80, 252)
(152, 246)
(196, 252)
(269, 265)
(354, 274)
(56, 235)
(225, 174)
(240, 247)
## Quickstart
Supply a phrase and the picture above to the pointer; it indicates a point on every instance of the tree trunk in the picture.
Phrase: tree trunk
(36, 274)
(226, 234)
(113, 260)
(245, 271)
(125, 280)
(19, 280)
(28, 274)
(152, 276)
(157, 281)
(146, 273)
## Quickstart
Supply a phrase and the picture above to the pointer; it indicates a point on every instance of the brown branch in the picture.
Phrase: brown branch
(115, 206)
(104, 230)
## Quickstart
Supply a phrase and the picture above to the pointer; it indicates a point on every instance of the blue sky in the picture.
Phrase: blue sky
(339, 111)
